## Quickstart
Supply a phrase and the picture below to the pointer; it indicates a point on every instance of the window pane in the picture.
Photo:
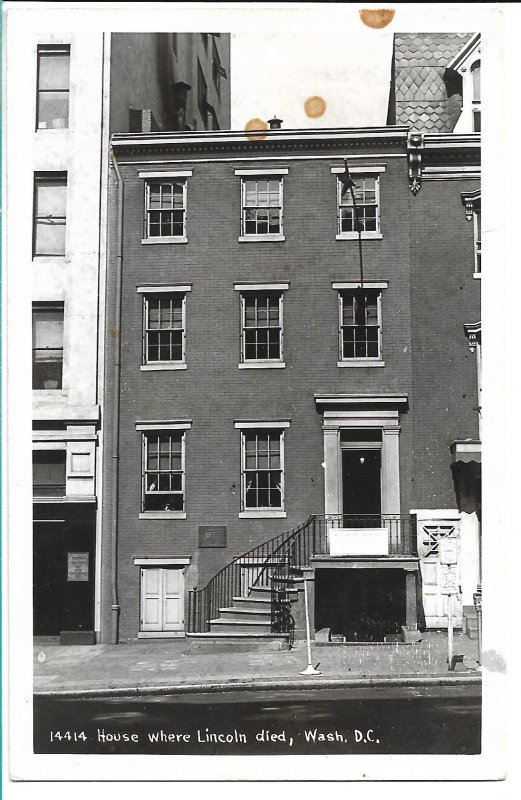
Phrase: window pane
(53, 110)
(51, 198)
(54, 71)
(49, 473)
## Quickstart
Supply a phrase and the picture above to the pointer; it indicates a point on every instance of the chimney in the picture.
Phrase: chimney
(275, 123)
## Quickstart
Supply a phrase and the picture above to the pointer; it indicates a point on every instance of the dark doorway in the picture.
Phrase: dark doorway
(361, 482)
(63, 569)
(360, 605)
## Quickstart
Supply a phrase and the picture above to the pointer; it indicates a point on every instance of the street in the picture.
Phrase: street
(378, 720)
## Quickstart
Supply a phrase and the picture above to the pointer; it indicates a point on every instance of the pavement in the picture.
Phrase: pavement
(175, 665)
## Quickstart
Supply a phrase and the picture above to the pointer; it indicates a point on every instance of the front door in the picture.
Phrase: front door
(361, 481)
(162, 599)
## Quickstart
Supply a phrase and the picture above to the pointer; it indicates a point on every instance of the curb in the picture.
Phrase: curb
(266, 684)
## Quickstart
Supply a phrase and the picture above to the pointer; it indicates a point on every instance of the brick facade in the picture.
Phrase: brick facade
(425, 254)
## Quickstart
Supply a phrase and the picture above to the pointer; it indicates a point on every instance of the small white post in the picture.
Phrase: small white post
(450, 631)
(310, 669)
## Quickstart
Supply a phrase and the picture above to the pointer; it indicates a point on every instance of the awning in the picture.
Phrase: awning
(465, 451)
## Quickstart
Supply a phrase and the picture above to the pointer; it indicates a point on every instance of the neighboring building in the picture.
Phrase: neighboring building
(79, 88)
(257, 382)
(436, 82)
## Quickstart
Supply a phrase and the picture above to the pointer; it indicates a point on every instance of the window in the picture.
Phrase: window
(218, 70)
(202, 95)
(360, 325)
(163, 478)
(164, 329)
(261, 315)
(262, 207)
(49, 473)
(53, 86)
(165, 215)
(47, 345)
(475, 71)
(50, 215)
(262, 469)
(477, 241)
(366, 194)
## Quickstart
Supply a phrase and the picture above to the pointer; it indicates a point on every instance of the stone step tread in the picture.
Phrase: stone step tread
(260, 600)
(237, 622)
(245, 611)
(236, 635)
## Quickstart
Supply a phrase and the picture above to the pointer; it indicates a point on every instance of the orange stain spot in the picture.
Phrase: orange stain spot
(377, 17)
(315, 106)
(255, 125)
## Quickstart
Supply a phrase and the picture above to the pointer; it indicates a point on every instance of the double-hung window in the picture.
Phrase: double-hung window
(164, 326)
(361, 213)
(49, 473)
(360, 324)
(262, 468)
(262, 205)
(165, 207)
(47, 345)
(163, 493)
(53, 86)
(472, 203)
(261, 325)
(50, 213)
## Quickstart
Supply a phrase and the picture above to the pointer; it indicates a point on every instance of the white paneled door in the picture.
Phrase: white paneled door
(162, 599)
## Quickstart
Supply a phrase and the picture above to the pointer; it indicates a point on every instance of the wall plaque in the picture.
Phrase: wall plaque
(77, 566)
(212, 536)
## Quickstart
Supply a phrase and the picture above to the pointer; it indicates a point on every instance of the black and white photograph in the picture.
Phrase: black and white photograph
(243, 362)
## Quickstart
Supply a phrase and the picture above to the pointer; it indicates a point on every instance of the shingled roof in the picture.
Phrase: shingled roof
(421, 95)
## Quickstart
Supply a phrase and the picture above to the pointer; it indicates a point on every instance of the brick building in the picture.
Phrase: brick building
(271, 415)
(80, 87)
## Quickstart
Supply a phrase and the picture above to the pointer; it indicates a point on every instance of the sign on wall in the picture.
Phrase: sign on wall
(77, 566)
(212, 536)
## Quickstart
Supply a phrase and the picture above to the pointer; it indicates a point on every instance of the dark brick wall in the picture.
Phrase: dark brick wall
(444, 297)
(213, 392)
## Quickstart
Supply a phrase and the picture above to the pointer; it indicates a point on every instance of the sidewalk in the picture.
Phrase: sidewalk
(171, 666)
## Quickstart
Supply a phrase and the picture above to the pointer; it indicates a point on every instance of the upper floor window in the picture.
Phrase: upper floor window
(50, 213)
(475, 71)
(472, 203)
(47, 345)
(366, 195)
(49, 473)
(164, 328)
(262, 207)
(163, 471)
(53, 86)
(360, 324)
(165, 209)
(477, 241)
(261, 320)
(218, 70)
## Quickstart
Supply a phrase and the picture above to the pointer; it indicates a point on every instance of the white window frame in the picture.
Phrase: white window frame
(146, 428)
(180, 177)
(342, 288)
(262, 363)
(262, 175)
(41, 179)
(373, 171)
(262, 512)
(477, 241)
(149, 292)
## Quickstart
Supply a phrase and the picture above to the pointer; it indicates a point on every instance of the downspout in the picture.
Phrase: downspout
(116, 337)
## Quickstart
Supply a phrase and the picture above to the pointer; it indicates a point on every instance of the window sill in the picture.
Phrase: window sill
(261, 365)
(50, 394)
(361, 362)
(477, 275)
(163, 366)
(265, 513)
(263, 237)
(71, 498)
(162, 515)
(59, 259)
(165, 240)
(354, 235)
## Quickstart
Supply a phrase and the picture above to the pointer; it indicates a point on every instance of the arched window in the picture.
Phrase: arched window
(475, 71)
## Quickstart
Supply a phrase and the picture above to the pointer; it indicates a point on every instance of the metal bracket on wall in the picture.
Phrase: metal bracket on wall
(415, 146)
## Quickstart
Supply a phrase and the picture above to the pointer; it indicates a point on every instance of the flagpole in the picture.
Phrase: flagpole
(358, 225)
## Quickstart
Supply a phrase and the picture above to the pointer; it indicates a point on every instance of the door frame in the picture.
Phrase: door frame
(351, 418)
(161, 563)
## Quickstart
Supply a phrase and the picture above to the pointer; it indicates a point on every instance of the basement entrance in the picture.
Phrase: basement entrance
(360, 605)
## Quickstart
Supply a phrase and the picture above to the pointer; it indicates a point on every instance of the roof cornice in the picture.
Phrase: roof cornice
(276, 139)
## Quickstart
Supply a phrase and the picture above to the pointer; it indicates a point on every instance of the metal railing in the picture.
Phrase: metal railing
(275, 564)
